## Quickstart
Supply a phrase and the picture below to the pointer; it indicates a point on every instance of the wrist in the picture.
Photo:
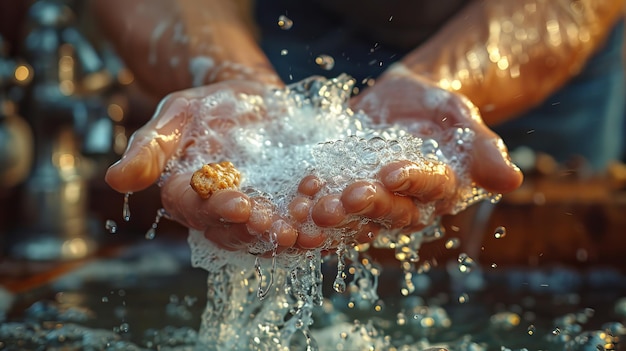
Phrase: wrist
(204, 70)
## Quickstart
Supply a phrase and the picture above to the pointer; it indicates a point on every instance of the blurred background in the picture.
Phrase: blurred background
(68, 107)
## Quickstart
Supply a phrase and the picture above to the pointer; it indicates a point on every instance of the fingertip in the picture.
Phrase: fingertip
(395, 175)
(299, 208)
(358, 197)
(231, 206)
(328, 211)
(286, 235)
(310, 185)
(133, 172)
(492, 168)
(310, 240)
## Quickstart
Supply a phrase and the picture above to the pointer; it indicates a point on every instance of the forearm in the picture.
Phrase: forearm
(173, 45)
(509, 55)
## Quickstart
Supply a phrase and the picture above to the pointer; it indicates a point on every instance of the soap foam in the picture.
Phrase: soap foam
(305, 129)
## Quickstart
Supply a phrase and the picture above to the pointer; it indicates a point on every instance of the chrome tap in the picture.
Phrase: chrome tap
(15, 134)
(66, 107)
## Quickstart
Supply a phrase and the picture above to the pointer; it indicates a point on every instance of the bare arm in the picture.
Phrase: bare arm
(172, 45)
(509, 55)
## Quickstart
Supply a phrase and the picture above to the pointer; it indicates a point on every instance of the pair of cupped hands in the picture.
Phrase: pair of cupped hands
(233, 220)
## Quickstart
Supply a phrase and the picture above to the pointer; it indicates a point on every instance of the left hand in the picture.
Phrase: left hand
(400, 96)
(404, 98)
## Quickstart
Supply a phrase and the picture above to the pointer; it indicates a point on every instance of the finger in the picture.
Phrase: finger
(491, 166)
(229, 237)
(283, 234)
(310, 185)
(310, 238)
(150, 147)
(228, 206)
(328, 211)
(427, 181)
(374, 201)
(367, 199)
(300, 208)
(265, 222)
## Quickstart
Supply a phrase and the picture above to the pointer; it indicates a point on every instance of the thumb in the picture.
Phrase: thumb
(150, 147)
(491, 166)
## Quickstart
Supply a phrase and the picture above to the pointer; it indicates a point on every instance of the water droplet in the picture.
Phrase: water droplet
(343, 335)
(378, 307)
(326, 62)
(124, 328)
(110, 226)
(340, 285)
(401, 318)
(284, 22)
(453, 243)
(500, 232)
(466, 263)
(556, 331)
(493, 265)
(262, 292)
(105, 299)
(126, 208)
(463, 298)
(531, 329)
(284, 52)
(150, 234)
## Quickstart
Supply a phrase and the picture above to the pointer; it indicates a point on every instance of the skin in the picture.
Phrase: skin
(230, 218)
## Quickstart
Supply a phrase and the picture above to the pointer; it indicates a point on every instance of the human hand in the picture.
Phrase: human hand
(428, 111)
(226, 215)
(233, 218)
(174, 143)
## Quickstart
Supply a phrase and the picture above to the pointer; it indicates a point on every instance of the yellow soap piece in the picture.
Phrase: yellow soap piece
(213, 177)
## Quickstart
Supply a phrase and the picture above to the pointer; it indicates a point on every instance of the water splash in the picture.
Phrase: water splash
(340, 284)
(126, 208)
(325, 62)
(151, 233)
(284, 22)
(111, 226)
(267, 282)
(500, 232)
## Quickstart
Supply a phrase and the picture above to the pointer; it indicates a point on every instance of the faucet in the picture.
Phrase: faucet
(15, 134)
(66, 107)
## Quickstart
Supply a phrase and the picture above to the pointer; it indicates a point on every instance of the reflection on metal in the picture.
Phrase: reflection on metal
(15, 134)
(68, 106)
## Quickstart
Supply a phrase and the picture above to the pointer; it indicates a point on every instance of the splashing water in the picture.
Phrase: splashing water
(126, 207)
(500, 232)
(313, 133)
(326, 62)
(284, 22)
(111, 226)
(151, 233)
(268, 302)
